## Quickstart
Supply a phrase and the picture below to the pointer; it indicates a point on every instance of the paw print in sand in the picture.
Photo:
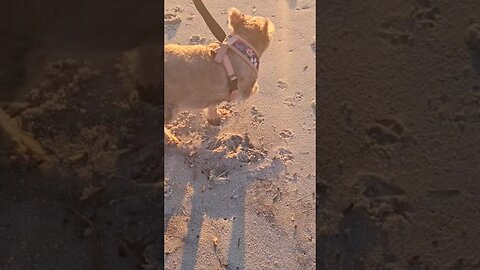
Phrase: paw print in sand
(257, 116)
(395, 31)
(236, 146)
(385, 132)
(383, 200)
(286, 134)
(425, 14)
(171, 23)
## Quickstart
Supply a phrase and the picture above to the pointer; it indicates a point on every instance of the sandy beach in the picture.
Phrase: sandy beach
(242, 195)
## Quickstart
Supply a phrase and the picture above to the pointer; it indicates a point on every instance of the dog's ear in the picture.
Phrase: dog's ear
(268, 28)
(236, 17)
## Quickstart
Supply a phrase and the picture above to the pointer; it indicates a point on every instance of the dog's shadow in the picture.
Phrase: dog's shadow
(196, 194)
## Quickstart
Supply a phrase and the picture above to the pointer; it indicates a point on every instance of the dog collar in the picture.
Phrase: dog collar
(244, 49)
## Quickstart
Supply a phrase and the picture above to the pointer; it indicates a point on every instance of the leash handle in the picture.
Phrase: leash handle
(214, 27)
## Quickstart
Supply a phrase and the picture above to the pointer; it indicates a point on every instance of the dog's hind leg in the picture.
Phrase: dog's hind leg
(212, 115)
(168, 115)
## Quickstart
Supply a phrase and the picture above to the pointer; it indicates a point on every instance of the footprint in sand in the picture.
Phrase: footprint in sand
(298, 96)
(385, 132)
(172, 22)
(292, 100)
(284, 155)
(286, 134)
(197, 39)
(236, 147)
(382, 199)
(178, 9)
(172, 18)
(289, 101)
(395, 31)
(425, 15)
(282, 84)
(257, 116)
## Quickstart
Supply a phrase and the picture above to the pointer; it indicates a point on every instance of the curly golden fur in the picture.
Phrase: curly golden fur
(193, 80)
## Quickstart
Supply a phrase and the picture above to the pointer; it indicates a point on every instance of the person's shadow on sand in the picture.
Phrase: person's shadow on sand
(211, 200)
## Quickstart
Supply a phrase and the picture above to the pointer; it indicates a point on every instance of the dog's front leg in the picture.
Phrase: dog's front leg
(212, 115)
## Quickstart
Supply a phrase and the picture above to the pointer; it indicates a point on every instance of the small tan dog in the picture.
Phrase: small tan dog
(193, 78)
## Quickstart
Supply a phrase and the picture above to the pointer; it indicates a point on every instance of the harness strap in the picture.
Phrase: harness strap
(232, 78)
(222, 57)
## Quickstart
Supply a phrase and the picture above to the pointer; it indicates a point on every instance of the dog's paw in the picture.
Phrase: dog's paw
(214, 121)
(212, 116)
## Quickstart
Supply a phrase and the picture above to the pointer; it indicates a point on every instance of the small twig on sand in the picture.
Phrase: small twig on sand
(216, 177)
(215, 248)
